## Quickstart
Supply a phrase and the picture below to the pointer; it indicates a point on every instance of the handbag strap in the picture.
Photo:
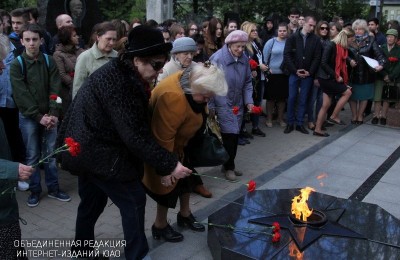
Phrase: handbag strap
(270, 52)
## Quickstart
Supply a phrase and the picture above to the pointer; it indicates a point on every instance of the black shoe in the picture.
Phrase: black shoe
(327, 124)
(383, 121)
(375, 120)
(288, 129)
(167, 233)
(320, 134)
(301, 129)
(242, 141)
(247, 135)
(257, 132)
(190, 221)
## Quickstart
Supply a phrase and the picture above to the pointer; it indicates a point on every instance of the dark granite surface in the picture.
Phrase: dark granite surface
(378, 232)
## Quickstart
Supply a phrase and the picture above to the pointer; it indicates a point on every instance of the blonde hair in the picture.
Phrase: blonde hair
(4, 46)
(343, 36)
(247, 27)
(208, 78)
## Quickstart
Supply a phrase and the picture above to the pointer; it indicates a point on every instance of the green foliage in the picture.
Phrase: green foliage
(123, 9)
(10, 5)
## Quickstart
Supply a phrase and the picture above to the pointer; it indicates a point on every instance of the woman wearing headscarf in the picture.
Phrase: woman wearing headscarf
(231, 108)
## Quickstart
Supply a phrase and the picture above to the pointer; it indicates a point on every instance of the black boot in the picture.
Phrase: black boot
(190, 222)
(167, 233)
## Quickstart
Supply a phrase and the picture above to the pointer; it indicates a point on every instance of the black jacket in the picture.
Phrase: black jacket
(296, 55)
(362, 73)
(109, 118)
(328, 61)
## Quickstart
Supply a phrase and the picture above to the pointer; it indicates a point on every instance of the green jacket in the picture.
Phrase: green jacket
(8, 182)
(33, 97)
(391, 68)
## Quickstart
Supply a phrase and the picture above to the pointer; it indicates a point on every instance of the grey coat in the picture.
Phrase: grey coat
(240, 90)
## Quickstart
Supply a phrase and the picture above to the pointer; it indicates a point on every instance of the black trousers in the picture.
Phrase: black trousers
(230, 145)
(10, 117)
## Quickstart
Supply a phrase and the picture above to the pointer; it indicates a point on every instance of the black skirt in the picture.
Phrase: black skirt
(277, 87)
(331, 87)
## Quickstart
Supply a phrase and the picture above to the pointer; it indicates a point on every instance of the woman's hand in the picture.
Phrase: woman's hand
(263, 67)
(353, 63)
(250, 107)
(24, 172)
(378, 68)
(339, 79)
(181, 171)
(168, 180)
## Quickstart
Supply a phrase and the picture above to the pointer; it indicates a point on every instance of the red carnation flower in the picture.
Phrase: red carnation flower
(53, 97)
(74, 148)
(235, 110)
(276, 227)
(251, 186)
(253, 64)
(276, 237)
(393, 59)
(256, 110)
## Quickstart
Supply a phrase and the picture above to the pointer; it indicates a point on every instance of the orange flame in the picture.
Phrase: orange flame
(299, 204)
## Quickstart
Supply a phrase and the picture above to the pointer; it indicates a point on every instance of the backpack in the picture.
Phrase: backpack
(22, 63)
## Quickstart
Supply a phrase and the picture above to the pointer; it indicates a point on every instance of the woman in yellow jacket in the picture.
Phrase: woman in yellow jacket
(177, 106)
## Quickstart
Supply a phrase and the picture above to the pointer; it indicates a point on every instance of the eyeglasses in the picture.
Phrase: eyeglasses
(157, 65)
(324, 28)
(254, 30)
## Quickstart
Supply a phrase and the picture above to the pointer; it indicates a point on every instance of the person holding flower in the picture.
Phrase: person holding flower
(109, 119)
(390, 75)
(177, 108)
(38, 114)
(235, 64)
(254, 52)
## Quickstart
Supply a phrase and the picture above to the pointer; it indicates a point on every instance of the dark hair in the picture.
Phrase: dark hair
(338, 26)
(65, 33)
(33, 11)
(152, 23)
(317, 31)
(294, 10)
(104, 27)
(283, 24)
(120, 28)
(31, 28)
(375, 20)
(198, 38)
(212, 28)
(20, 12)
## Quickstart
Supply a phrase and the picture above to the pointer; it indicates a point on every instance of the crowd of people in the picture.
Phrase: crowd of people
(134, 95)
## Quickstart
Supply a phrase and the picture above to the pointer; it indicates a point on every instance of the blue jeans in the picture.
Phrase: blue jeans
(128, 196)
(39, 142)
(315, 98)
(295, 82)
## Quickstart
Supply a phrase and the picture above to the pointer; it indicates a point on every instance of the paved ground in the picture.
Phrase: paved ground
(344, 160)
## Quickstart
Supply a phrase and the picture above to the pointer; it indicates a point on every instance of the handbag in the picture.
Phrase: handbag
(206, 148)
(284, 69)
(391, 92)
